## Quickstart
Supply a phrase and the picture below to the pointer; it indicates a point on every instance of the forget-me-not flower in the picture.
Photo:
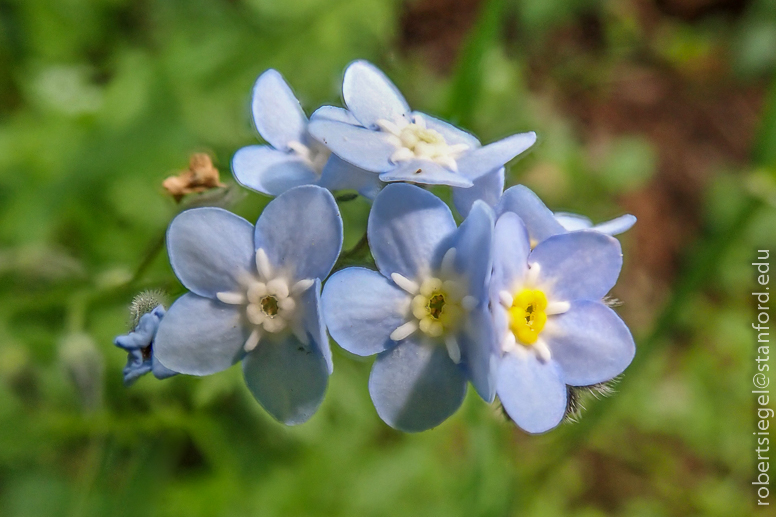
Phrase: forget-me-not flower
(292, 157)
(425, 313)
(139, 344)
(550, 321)
(540, 221)
(402, 145)
(255, 297)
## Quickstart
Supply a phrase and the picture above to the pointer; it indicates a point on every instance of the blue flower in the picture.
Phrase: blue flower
(550, 321)
(293, 158)
(425, 313)
(139, 344)
(255, 297)
(540, 221)
(402, 145)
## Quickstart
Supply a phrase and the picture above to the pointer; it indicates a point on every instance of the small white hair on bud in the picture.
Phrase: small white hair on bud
(145, 302)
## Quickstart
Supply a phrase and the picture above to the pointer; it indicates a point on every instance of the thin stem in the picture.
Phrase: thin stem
(153, 250)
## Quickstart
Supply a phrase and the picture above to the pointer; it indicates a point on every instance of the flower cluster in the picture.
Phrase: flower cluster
(511, 300)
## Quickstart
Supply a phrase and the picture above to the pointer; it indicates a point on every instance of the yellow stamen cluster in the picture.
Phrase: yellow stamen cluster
(527, 315)
(423, 141)
(437, 306)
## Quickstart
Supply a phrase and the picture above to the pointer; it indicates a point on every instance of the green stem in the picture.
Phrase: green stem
(347, 257)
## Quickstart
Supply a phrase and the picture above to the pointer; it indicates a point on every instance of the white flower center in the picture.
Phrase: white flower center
(437, 307)
(413, 140)
(270, 303)
(315, 155)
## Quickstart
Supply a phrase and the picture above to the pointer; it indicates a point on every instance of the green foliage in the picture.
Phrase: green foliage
(100, 100)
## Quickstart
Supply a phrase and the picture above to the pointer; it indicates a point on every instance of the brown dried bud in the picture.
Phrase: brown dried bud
(200, 176)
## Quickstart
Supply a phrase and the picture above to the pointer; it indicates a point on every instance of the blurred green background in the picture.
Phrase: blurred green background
(659, 108)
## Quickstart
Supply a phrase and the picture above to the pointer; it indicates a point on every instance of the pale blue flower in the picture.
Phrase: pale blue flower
(425, 313)
(292, 157)
(551, 324)
(139, 344)
(540, 220)
(402, 145)
(255, 297)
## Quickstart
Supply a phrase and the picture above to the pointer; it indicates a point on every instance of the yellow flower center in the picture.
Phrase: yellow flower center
(435, 307)
(527, 315)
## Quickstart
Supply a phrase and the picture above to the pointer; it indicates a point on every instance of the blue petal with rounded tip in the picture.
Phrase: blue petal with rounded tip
(301, 232)
(416, 386)
(531, 391)
(538, 219)
(276, 112)
(511, 249)
(335, 114)
(269, 171)
(338, 174)
(573, 222)
(452, 134)
(487, 188)
(478, 352)
(210, 249)
(371, 96)
(589, 342)
(616, 226)
(370, 150)
(406, 230)
(473, 244)
(200, 336)
(492, 156)
(361, 308)
(287, 378)
(581, 265)
(425, 172)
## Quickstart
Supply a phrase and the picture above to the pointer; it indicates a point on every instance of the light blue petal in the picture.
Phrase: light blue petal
(452, 134)
(573, 222)
(314, 324)
(270, 172)
(581, 265)
(335, 114)
(416, 386)
(492, 156)
(532, 392)
(276, 112)
(425, 172)
(616, 226)
(159, 370)
(511, 249)
(338, 174)
(371, 96)
(362, 308)
(406, 230)
(487, 188)
(538, 219)
(301, 232)
(479, 353)
(287, 378)
(199, 336)
(364, 148)
(589, 342)
(210, 249)
(473, 244)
